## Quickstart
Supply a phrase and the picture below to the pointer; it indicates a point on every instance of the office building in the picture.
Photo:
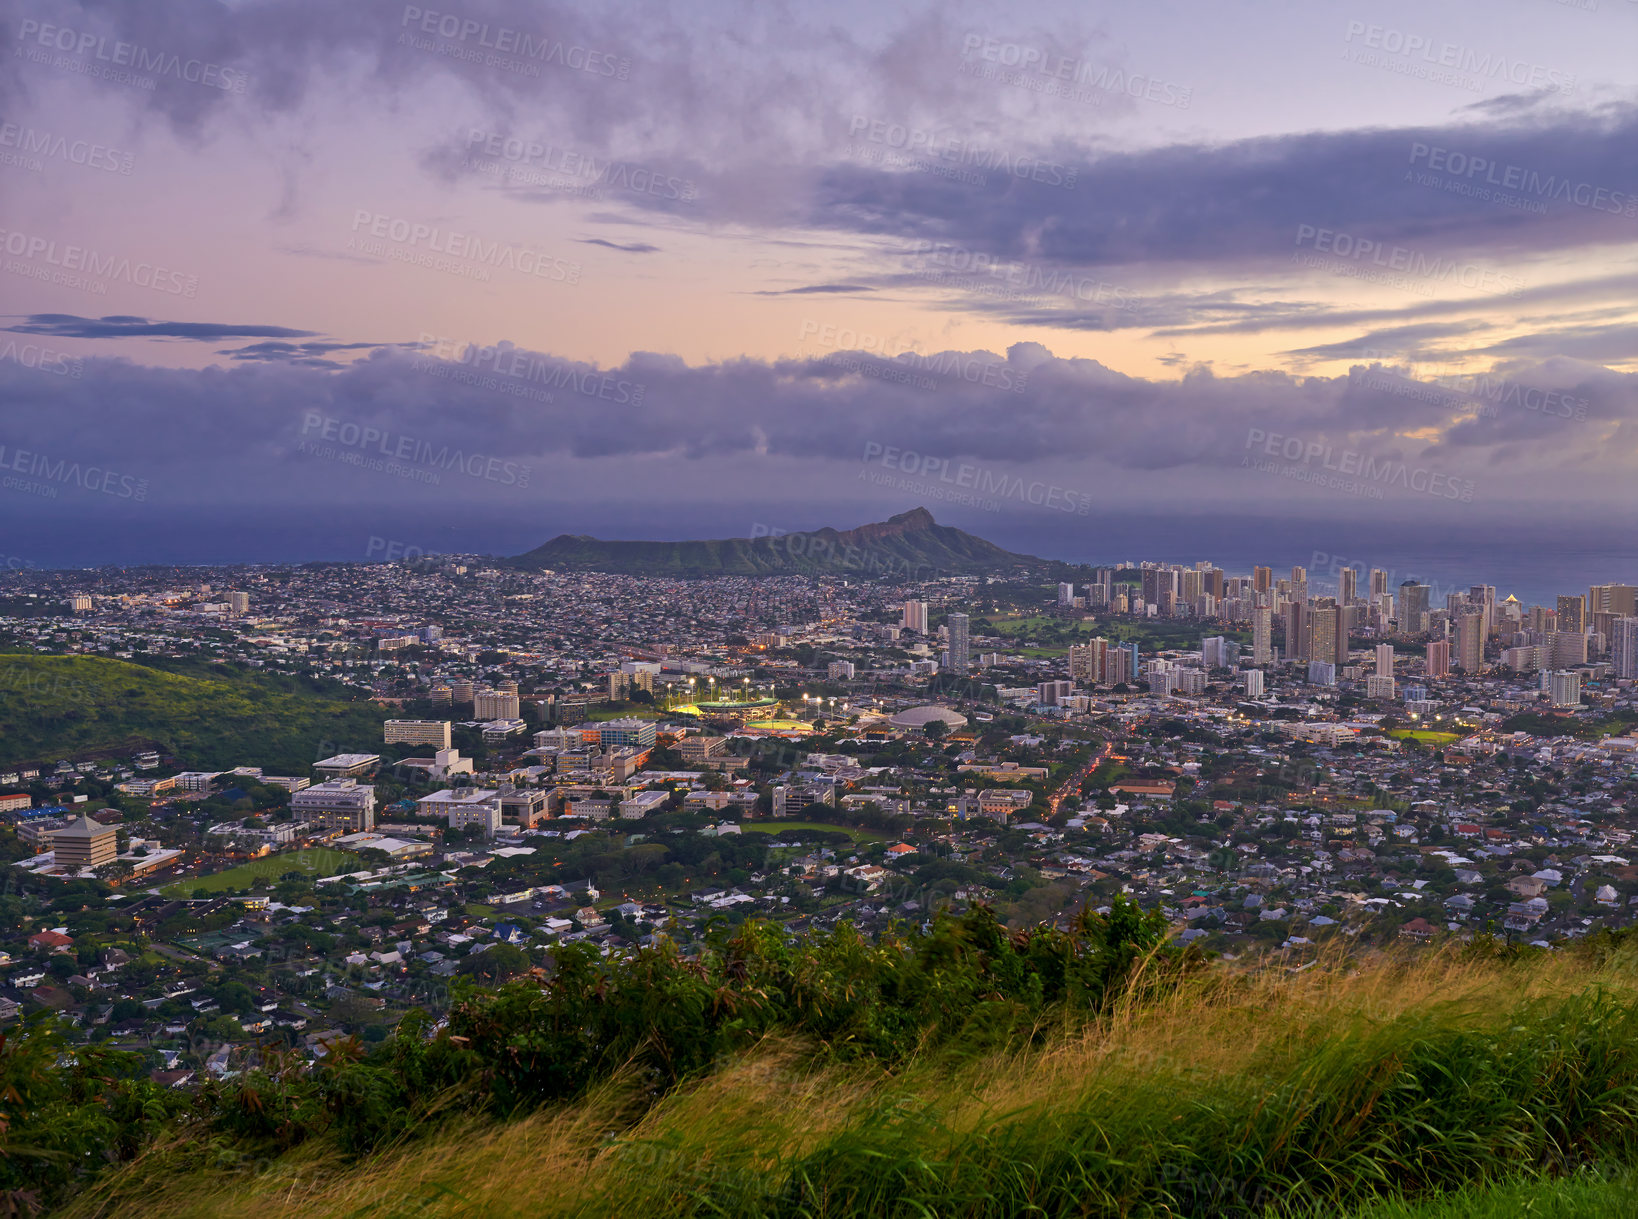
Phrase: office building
(469, 806)
(339, 804)
(915, 617)
(638, 734)
(1051, 693)
(1438, 662)
(956, 625)
(84, 843)
(347, 765)
(416, 732)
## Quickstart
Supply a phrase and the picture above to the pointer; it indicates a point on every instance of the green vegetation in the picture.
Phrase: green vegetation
(775, 827)
(310, 863)
(70, 706)
(1425, 736)
(1053, 1073)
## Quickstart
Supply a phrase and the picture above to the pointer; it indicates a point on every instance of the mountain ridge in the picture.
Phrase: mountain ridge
(909, 543)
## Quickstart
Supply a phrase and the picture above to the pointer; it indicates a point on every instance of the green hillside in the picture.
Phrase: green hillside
(909, 544)
(54, 707)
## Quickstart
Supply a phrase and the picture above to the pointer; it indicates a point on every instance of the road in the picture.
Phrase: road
(1073, 783)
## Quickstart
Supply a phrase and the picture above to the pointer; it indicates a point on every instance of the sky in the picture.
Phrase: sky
(289, 279)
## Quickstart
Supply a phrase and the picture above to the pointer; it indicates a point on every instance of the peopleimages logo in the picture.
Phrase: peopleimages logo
(47, 260)
(1488, 179)
(1369, 254)
(30, 142)
(130, 55)
(1334, 465)
(506, 41)
(376, 448)
(522, 367)
(414, 242)
(976, 481)
(1430, 54)
(69, 473)
(41, 359)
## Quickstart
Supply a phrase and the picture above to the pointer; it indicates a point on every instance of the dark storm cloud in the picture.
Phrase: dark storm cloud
(818, 290)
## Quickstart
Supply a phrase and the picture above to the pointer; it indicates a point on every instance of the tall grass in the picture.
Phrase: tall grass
(1232, 1095)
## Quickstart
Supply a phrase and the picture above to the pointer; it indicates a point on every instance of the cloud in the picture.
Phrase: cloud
(68, 326)
(636, 247)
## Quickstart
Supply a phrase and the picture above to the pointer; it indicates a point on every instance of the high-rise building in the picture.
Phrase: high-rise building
(1470, 641)
(1412, 610)
(1066, 594)
(1568, 649)
(1347, 585)
(1379, 583)
(1378, 686)
(1572, 614)
(1296, 629)
(1117, 667)
(1299, 577)
(1212, 652)
(840, 670)
(959, 656)
(1159, 587)
(1322, 632)
(238, 603)
(1050, 693)
(1618, 599)
(1262, 579)
(1624, 646)
(1483, 598)
(915, 617)
(1384, 660)
(1088, 661)
(1252, 680)
(1565, 687)
(1438, 663)
(1262, 623)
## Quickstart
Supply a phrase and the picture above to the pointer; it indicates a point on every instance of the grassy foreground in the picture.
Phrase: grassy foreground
(1452, 1084)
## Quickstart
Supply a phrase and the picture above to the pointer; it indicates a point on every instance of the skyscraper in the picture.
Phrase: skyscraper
(1262, 623)
(959, 659)
(1412, 609)
(1620, 599)
(1066, 594)
(1624, 646)
(1384, 660)
(1296, 629)
(1347, 585)
(1379, 583)
(1572, 614)
(915, 617)
(1439, 658)
(1262, 579)
(1470, 641)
